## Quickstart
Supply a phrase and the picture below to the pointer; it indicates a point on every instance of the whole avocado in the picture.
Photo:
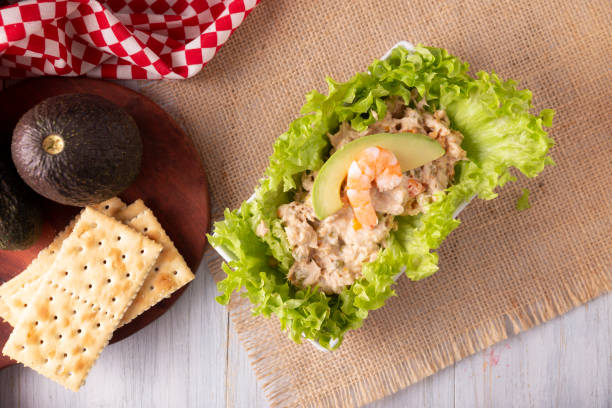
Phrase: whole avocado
(20, 217)
(77, 149)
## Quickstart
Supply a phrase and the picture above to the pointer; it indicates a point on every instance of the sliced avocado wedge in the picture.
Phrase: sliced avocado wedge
(411, 149)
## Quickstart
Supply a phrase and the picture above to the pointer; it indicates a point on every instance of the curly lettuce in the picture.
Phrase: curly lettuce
(499, 132)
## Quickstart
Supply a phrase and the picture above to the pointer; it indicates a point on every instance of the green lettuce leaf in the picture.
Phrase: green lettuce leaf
(523, 202)
(500, 133)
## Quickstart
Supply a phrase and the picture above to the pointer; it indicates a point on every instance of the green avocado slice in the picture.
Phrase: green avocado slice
(411, 149)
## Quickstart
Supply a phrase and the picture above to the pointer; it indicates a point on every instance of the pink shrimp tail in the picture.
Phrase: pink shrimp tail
(372, 165)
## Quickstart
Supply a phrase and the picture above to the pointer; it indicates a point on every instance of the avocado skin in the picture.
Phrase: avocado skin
(102, 149)
(20, 216)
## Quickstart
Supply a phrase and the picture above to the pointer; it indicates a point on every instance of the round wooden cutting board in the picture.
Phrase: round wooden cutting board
(172, 181)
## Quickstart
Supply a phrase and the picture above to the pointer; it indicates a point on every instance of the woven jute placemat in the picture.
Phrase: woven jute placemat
(502, 271)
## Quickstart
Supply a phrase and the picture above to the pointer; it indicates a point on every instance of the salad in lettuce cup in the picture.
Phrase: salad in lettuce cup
(366, 184)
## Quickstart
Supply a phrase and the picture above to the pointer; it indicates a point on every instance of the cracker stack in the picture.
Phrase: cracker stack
(97, 275)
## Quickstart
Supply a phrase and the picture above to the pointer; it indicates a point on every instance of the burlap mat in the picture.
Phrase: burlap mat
(502, 271)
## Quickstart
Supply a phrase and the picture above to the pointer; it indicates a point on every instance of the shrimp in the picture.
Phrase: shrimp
(373, 165)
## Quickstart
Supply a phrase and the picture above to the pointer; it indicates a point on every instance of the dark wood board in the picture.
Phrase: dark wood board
(172, 181)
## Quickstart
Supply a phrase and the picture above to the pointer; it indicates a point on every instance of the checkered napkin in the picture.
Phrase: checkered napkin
(119, 39)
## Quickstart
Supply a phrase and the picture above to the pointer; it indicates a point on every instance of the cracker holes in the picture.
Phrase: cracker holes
(151, 287)
(156, 269)
(74, 312)
(65, 273)
(59, 336)
(25, 305)
(104, 262)
(108, 280)
(123, 256)
(42, 341)
(98, 325)
(46, 360)
(65, 355)
(50, 298)
(142, 251)
(79, 331)
(36, 323)
(84, 350)
(85, 267)
(90, 286)
(146, 229)
(54, 318)
(175, 273)
(127, 275)
(106, 207)
(99, 243)
(118, 237)
(114, 299)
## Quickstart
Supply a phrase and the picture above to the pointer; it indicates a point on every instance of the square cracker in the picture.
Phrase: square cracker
(169, 273)
(16, 293)
(82, 298)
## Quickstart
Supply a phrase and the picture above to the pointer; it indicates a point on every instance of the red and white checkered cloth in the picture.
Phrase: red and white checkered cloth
(120, 39)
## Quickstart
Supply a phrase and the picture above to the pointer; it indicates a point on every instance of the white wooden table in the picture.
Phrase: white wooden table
(190, 357)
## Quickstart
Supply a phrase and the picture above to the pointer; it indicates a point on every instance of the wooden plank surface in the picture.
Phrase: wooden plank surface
(191, 358)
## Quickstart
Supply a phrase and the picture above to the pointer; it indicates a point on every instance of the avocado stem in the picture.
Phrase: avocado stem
(53, 144)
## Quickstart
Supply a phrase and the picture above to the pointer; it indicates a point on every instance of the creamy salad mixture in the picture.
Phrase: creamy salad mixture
(330, 252)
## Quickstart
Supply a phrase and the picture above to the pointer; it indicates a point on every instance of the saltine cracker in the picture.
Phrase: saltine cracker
(169, 273)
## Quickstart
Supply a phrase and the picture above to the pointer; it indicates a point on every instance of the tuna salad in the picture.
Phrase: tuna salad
(329, 253)
(365, 184)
